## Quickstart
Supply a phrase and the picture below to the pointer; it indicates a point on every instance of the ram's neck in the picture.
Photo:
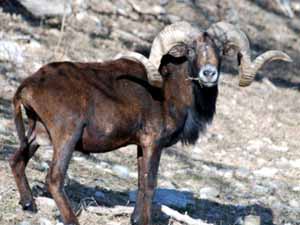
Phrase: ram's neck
(178, 98)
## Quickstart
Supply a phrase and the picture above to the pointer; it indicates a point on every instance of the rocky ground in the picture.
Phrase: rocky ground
(248, 162)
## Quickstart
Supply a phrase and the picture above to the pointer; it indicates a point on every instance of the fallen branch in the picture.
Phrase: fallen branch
(115, 211)
(126, 210)
(181, 217)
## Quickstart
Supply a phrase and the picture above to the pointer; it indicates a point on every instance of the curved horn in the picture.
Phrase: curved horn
(228, 34)
(180, 32)
(153, 75)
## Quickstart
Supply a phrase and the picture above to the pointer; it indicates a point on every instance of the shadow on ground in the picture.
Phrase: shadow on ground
(206, 210)
(5, 108)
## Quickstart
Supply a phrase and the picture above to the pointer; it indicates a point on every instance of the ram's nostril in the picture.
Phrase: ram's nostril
(206, 73)
(209, 73)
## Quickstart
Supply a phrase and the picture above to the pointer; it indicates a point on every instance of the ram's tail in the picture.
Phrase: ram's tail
(19, 121)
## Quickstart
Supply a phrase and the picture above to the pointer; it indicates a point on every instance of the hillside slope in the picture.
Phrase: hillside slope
(248, 162)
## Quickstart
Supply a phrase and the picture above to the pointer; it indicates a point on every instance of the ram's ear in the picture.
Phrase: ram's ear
(178, 50)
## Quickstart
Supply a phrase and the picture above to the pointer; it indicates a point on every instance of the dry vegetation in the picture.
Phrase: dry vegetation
(248, 163)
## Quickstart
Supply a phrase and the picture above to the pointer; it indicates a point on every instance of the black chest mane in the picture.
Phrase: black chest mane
(198, 115)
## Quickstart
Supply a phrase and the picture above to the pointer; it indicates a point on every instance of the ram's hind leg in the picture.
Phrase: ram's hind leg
(18, 163)
(64, 145)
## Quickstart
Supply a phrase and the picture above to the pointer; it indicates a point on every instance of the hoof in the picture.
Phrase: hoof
(134, 221)
(29, 206)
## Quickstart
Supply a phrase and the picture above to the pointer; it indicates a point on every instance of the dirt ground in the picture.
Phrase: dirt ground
(247, 163)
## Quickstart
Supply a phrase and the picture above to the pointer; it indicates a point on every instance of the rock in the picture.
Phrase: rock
(295, 163)
(209, 193)
(163, 2)
(279, 6)
(121, 171)
(11, 51)
(91, 24)
(102, 165)
(279, 148)
(169, 197)
(226, 173)
(242, 173)
(248, 220)
(251, 220)
(106, 7)
(293, 203)
(266, 172)
(44, 221)
(255, 145)
(2, 128)
(43, 166)
(143, 8)
(43, 8)
(45, 203)
(296, 189)
(78, 158)
(24, 223)
(260, 190)
(282, 162)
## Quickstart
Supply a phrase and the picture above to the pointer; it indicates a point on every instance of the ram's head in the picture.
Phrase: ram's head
(204, 49)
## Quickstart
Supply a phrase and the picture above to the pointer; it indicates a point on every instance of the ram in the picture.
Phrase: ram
(152, 103)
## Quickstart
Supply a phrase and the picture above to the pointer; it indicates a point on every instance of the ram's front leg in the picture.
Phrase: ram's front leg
(148, 163)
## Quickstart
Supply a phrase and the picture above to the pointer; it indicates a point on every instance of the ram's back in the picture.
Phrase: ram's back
(113, 97)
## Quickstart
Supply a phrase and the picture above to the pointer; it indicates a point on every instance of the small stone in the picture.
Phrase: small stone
(2, 129)
(197, 150)
(228, 174)
(260, 161)
(209, 193)
(44, 166)
(44, 202)
(121, 171)
(255, 145)
(251, 220)
(240, 186)
(163, 2)
(295, 163)
(43, 8)
(24, 223)
(279, 148)
(102, 165)
(260, 190)
(11, 51)
(282, 162)
(296, 189)
(266, 172)
(242, 173)
(78, 158)
(44, 221)
(293, 203)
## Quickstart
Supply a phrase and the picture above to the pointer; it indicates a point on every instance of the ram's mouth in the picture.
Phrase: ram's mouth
(207, 83)
(203, 83)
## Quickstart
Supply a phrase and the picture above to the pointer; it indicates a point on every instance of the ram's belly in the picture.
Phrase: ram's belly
(107, 136)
